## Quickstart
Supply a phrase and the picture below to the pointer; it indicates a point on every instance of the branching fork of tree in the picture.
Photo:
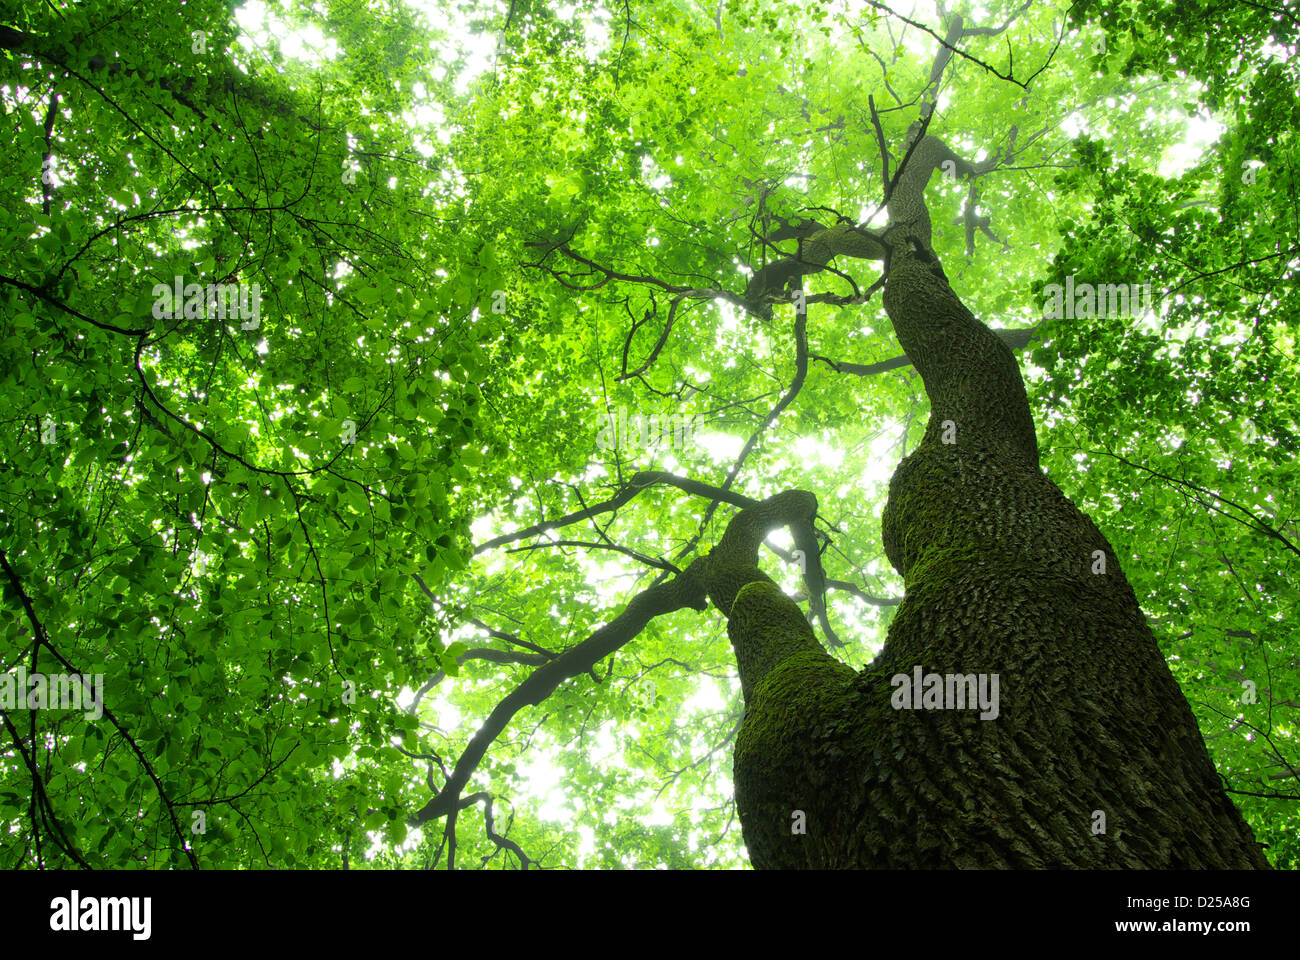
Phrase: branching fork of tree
(1095, 759)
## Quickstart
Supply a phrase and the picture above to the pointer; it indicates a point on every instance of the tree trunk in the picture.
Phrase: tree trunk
(1092, 757)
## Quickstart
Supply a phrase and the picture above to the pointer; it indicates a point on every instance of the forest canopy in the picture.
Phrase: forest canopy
(367, 364)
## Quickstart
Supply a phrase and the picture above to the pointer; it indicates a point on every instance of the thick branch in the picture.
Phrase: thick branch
(682, 591)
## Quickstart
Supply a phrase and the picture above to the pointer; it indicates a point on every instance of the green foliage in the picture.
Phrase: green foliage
(221, 517)
(229, 521)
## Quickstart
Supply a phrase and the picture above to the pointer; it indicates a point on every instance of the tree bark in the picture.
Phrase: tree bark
(1093, 759)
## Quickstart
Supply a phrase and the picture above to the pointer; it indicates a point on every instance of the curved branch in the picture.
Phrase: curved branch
(639, 482)
(504, 843)
(948, 45)
(43, 638)
(663, 339)
(42, 800)
(1252, 521)
(627, 551)
(681, 591)
(42, 295)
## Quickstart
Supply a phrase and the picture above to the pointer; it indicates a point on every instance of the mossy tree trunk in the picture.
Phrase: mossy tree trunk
(1094, 758)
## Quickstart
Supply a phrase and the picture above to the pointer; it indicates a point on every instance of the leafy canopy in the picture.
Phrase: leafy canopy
(476, 234)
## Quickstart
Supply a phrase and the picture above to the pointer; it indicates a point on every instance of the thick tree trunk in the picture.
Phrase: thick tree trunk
(1093, 758)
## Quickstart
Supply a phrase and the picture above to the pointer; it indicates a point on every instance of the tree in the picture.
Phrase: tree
(485, 274)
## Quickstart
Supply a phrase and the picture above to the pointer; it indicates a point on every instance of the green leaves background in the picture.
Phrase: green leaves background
(202, 532)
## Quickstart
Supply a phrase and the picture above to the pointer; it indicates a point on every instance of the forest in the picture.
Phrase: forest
(519, 434)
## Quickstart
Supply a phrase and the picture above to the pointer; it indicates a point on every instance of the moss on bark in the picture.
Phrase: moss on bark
(998, 567)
